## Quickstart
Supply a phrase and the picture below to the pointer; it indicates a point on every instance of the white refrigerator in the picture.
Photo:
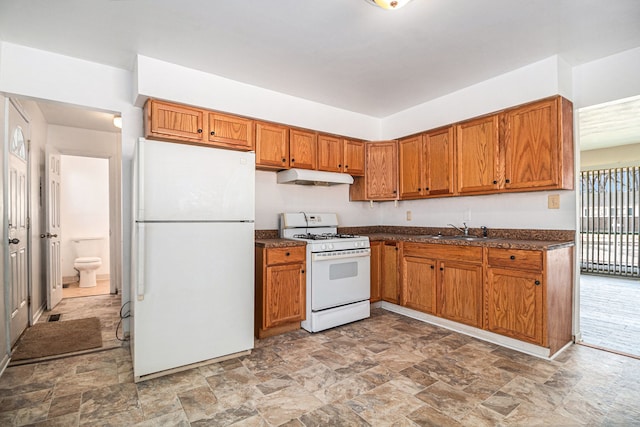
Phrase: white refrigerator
(192, 292)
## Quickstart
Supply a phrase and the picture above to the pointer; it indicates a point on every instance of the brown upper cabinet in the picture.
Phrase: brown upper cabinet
(330, 155)
(538, 145)
(380, 181)
(477, 151)
(353, 157)
(230, 131)
(426, 164)
(525, 148)
(272, 146)
(164, 120)
(411, 167)
(302, 149)
(180, 123)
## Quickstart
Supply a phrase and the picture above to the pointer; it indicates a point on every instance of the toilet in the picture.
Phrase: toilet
(87, 251)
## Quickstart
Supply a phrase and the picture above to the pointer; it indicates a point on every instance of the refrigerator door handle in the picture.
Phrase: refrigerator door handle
(140, 177)
(140, 263)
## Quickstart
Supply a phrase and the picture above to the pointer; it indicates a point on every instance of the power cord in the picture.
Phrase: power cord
(123, 315)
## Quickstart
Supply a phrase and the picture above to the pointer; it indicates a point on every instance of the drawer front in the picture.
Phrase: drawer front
(286, 255)
(515, 258)
(445, 252)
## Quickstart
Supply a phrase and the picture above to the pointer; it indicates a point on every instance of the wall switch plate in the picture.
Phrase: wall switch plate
(409, 216)
(554, 201)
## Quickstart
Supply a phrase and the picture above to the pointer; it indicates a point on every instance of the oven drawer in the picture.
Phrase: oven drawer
(286, 255)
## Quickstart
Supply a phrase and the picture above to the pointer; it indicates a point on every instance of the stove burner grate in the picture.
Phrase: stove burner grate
(324, 236)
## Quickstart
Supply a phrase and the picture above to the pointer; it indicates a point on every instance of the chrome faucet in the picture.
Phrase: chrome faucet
(464, 231)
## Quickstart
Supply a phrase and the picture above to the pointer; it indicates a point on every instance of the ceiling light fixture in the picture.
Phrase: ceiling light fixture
(388, 4)
(117, 122)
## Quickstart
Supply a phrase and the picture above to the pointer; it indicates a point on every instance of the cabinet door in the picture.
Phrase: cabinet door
(419, 284)
(460, 292)
(231, 131)
(477, 155)
(532, 146)
(381, 173)
(272, 146)
(389, 289)
(515, 304)
(166, 120)
(329, 153)
(438, 152)
(411, 167)
(284, 294)
(353, 157)
(376, 253)
(302, 149)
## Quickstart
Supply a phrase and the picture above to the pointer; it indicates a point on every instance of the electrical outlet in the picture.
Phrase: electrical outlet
(553, 201)
(409, 216)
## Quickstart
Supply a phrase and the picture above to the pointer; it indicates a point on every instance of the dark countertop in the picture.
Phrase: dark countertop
(491, 243)
(500, 238)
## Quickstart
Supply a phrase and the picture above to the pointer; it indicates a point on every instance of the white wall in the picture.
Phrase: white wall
(607, 79)
(84, 203)
(4, 325)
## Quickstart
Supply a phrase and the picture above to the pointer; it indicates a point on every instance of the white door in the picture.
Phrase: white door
(52, 235)
(17, 224)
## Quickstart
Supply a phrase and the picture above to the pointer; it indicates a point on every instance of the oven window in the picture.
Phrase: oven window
(342, 271)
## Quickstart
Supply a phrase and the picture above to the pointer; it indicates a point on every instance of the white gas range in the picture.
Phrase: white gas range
(338, 269)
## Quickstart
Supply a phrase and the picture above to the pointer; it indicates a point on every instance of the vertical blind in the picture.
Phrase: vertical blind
(610, 224)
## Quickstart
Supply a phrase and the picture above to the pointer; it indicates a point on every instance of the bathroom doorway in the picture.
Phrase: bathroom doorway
(84, 215)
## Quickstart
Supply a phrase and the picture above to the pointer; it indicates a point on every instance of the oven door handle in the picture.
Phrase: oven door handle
(328, 256)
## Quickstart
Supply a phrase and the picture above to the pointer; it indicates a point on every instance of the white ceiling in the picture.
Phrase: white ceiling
(344, 53)
(610, 124)
(67, 115)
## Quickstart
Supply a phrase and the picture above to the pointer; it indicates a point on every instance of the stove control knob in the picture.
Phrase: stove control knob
(330, 245)
(323, 247)
(356, 244)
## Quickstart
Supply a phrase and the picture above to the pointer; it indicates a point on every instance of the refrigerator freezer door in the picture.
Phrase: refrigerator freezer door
(196, 302)
(178, 182)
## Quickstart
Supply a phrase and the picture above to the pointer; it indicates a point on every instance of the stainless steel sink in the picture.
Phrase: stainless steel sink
(465, 238)
(472, 238)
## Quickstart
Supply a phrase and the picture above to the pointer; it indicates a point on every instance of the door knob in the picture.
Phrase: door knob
(14, 241)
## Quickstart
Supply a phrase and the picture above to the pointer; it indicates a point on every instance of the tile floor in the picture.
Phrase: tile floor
(73, 290)
(386, 370)
(610, 313)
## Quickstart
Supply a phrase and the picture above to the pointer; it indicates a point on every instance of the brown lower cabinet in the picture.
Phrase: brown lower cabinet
(389, 272)
(280, 285)
(444, 280)
(529, 295)
(521, 294)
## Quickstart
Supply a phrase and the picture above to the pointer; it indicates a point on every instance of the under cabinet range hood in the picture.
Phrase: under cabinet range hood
(313, 177)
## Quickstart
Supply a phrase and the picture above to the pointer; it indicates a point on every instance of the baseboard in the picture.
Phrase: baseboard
(4, 363)
(38, 313)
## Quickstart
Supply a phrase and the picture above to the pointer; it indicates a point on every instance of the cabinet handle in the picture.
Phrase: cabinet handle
(346, 166)
(199, 130)
(394, 191)
(432, 267)
(288, 253)
(441, 268)
(213, 132)
(537, 282)
(396, 248)
(495, 182)
(426, 189)
(419, 188)
(340, 165)
(302, 271)
(512, 257)
(293, 160)
(284, 160)
(507, 181)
